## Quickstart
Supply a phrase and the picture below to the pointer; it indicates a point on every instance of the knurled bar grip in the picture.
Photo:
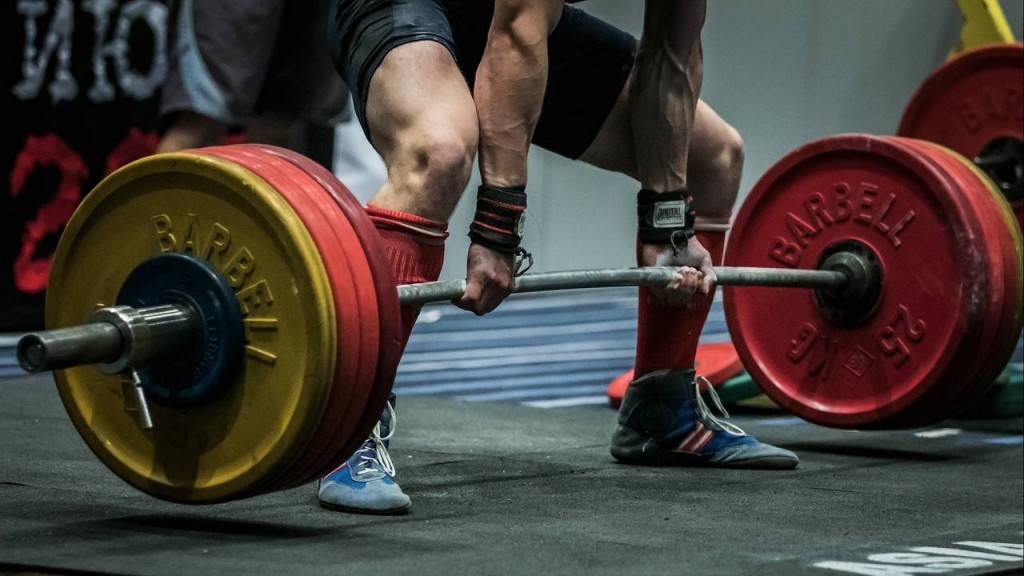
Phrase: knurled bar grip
(163, 328)
(648, 276)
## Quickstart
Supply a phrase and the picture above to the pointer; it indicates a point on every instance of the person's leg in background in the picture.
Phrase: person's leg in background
(221, 54)
(191, 130)
(302, 96)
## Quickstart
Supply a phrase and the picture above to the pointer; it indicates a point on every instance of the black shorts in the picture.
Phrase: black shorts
(589, 60)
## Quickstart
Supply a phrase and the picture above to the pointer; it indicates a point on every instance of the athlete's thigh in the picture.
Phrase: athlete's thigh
(398, 59)
(416, 95)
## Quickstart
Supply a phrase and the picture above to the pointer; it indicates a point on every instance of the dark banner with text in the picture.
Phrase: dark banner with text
(82, 81)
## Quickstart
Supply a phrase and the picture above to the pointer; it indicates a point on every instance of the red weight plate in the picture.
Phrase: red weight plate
(355, 302)
(388, 306)
(354, 400)
(970, 100)
(716, 361)
(350, 358)
(617, 388)
(877, 193)
(999, 221)
(965, 381)
(345, 440)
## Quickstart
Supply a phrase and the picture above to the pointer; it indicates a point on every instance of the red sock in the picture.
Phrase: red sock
(415, 248)
(667, 337)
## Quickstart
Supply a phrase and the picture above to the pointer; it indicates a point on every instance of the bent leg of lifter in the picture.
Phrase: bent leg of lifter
(422, 120)
(664, 419)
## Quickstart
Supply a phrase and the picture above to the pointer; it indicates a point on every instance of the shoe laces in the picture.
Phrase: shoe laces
(373, 455)
(706, 415)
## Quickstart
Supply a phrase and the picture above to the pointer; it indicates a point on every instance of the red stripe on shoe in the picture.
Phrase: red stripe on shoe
(691, 438)
(704, 442)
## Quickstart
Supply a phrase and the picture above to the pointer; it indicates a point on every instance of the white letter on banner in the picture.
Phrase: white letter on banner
(35, 61)
(102, 90)
(136, 85)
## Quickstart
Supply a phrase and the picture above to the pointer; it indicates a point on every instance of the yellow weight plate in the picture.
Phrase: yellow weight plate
(218, 211)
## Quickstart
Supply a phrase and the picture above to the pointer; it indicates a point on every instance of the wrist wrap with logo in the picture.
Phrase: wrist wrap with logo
(664, 217)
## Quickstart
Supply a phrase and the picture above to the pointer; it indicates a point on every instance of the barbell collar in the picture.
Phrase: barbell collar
(447, 290)
(116, 338)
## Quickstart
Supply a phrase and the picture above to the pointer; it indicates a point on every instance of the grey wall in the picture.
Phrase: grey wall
(783, 72)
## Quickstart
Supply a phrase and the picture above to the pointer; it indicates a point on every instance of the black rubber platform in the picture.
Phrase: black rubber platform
(501, 488)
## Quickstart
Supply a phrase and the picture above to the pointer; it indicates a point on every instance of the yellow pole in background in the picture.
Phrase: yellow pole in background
(984, 23)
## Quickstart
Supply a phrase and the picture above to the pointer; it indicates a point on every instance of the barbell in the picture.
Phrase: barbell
(224, 324)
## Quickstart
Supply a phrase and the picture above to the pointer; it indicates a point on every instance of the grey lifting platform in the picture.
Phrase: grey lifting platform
(501, 488)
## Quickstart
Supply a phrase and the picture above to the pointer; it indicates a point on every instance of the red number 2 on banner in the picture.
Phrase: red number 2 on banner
(32, 269)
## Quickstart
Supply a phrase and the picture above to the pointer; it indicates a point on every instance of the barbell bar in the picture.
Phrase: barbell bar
(649, 276)
(121, 337)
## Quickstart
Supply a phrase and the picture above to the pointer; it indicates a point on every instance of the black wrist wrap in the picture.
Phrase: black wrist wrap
(500, 214)
(664, 217)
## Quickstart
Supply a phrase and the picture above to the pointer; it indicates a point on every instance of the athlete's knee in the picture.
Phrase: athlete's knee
(718, 171)
(444, 159)
(728, 160)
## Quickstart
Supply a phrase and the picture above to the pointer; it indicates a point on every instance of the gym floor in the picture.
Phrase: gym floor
(507, 464)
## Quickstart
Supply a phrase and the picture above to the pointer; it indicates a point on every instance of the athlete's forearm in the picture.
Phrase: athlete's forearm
(667, 79)
(509, 92)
